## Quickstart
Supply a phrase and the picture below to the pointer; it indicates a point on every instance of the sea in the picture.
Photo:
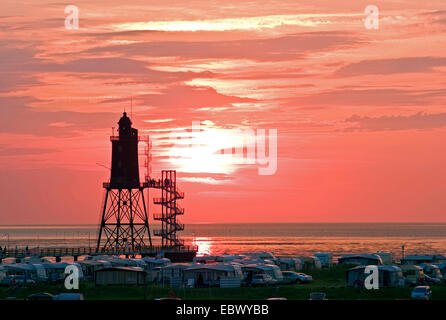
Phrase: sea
(278, 238)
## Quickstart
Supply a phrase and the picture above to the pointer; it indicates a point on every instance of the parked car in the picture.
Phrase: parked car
(40, 296)
(15, 279)
(429, 279)
(318, 296)
(263, 279)
(69, 296)
(421, 293)
(296, 277)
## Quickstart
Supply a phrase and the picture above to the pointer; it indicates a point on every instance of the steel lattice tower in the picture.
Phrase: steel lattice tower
(124, 223)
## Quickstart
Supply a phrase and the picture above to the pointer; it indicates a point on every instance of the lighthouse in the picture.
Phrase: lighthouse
(124, 222)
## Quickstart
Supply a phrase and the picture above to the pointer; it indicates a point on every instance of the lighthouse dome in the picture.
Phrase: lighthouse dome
(125, 125)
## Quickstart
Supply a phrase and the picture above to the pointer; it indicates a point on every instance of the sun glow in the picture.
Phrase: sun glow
(208, 149)
(199, 151)
(228, 24)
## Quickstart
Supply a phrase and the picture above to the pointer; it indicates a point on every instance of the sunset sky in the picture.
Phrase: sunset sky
(360, 114)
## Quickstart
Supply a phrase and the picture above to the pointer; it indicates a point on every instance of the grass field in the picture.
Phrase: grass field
(331, 281)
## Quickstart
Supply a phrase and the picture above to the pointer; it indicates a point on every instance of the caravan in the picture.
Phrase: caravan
(172, 273)
(389, 276)
(56, 271)
(33, 272)
(289, 263)
(209, 275)
(250, 270)
(260, 255)
(360, 259)
(90, 266)
(432, 273)
(326, 258)
(386, 257)
(414, 275)
(309, 263)
(427, 258)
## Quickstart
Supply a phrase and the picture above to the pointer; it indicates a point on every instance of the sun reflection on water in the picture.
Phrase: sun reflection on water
(204, 245)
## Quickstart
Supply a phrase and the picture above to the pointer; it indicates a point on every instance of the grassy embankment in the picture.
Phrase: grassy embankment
(331, 281)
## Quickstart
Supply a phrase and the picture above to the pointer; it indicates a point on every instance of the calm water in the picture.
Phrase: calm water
(291, 238)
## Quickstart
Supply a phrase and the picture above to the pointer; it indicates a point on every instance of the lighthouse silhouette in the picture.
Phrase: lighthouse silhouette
(125, 168)
(124, 223)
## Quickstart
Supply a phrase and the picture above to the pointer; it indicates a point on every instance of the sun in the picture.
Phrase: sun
(200, 151)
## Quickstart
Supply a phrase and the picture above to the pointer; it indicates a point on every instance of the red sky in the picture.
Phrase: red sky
(359, 113)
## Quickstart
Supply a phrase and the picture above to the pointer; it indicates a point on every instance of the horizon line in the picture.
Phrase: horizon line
(253, 223)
